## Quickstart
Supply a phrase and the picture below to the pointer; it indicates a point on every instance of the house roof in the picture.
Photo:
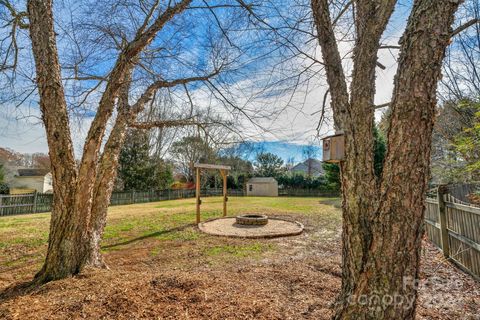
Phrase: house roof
(262, 180)
(32, 172)
(315, 165)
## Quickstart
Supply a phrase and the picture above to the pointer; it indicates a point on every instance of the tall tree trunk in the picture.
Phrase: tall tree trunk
(354, 115)
(107, 172)
(383, 285)
(66, 247)
(72, 226)
(125, 62)
(359, 183)
(103, 189)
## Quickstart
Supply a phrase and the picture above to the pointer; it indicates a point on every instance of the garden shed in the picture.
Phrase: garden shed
(267, 187)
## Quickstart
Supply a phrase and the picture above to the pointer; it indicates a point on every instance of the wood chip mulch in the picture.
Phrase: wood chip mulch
(298, 280)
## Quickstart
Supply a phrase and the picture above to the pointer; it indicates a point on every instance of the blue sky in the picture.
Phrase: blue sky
(286, 133)
(284, 150)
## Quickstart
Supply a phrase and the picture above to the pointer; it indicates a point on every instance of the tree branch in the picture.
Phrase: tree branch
(333, 62)
(381, 66)
(322, 112)
(389, 47)
(166, 124)
(383, 105)
(464, 26)
(147, 95)
(16, 22)
(334, 22)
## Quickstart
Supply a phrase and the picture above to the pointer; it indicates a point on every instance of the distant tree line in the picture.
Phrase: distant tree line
(456, 142)
(138, 169)
(141, 169)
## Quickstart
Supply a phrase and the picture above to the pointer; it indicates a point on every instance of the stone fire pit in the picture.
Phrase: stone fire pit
(252, 219)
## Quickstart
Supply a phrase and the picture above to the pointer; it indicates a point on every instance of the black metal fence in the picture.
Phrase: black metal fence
(42, 202)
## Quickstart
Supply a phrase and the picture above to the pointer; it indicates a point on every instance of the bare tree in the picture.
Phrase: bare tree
(461, 67)
(116, 94)
(383, 218)
(309, 154)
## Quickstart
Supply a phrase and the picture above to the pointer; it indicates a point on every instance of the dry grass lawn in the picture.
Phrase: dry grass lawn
(162, 267)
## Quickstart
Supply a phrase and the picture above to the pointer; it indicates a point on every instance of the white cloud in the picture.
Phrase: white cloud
(296, 123)
(22, 130)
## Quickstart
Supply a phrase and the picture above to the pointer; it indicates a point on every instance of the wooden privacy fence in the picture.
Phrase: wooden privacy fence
(42, 202)
(131, 197)
(25, 203)
(307, 193)
(455, 228)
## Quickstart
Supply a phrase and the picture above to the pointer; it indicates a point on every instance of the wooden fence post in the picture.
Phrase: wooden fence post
(442, 213)
(35, 202)
(197, 194)
(225, 197)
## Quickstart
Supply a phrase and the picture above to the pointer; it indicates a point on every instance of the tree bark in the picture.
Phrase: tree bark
(107, 173)
(359, 183)
(355, 117)
(382, 220)
(103, 189)
(75, 229)
(68, 227)
(394, 254)
(89, 165)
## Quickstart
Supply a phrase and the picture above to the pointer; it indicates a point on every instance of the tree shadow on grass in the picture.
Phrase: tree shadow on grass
(150, 235)
(32, 287)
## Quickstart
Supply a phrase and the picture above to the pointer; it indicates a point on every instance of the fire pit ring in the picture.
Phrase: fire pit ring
(252, 219)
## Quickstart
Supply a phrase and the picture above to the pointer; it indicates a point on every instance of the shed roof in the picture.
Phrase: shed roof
(262, 180)
(32, 172)
(316, 167)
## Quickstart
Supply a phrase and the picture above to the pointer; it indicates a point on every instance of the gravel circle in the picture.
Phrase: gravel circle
(228, 227)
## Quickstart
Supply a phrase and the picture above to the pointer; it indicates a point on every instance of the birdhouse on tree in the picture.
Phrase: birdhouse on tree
(334, 148)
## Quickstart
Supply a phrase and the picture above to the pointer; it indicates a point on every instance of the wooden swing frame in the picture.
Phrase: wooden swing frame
(223, 171)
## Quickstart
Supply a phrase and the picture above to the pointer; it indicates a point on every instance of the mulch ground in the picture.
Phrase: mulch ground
(299, 279)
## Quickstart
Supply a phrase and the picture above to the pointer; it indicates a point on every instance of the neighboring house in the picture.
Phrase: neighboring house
(262, 187)
(310, 168)
(31, 180)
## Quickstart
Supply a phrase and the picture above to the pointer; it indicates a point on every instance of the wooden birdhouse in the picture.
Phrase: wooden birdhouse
(334, 148)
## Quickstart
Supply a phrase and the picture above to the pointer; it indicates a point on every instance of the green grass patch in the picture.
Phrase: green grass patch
(171, 220)
(183, 235)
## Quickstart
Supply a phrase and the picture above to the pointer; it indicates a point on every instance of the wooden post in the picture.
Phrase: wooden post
(442, 213)
(35, 202)
(197, 193)
(224, 176)
(223, 171)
